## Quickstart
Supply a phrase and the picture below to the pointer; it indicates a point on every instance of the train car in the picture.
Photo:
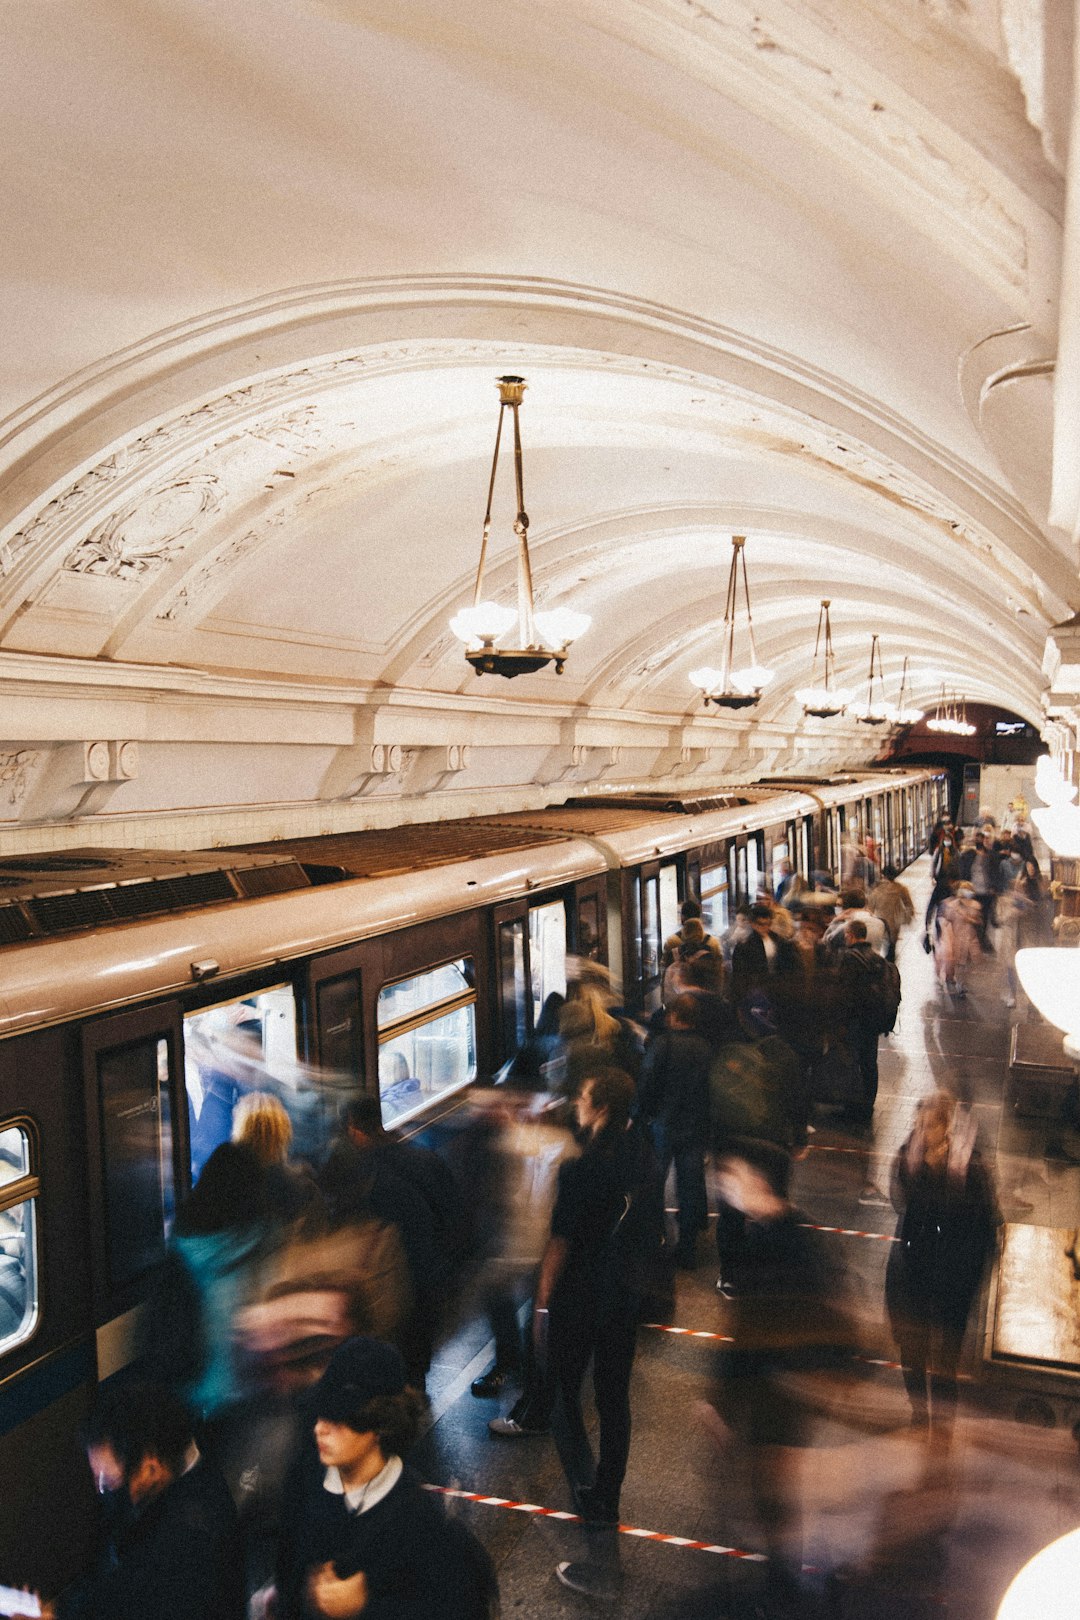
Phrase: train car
(407, 962)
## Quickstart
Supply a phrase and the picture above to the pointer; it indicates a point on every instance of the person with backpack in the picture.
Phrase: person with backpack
(696, 937)
(675, 1103)
(360, 1534)
(869, 992)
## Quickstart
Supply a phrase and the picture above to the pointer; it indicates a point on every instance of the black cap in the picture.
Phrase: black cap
(360, 1371)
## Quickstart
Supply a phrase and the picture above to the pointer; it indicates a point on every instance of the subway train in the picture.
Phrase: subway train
(408, 962)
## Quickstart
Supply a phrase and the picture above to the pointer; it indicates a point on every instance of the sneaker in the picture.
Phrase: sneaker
(595, 1509)
(508, 1428)
(490, 1383)
(589, 1581)
(873, 1196)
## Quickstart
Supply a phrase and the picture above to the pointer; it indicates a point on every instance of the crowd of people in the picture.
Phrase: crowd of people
(988, 896)
(257, 1466)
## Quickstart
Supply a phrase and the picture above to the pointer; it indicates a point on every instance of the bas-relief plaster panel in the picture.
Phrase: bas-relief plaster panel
(145, 535)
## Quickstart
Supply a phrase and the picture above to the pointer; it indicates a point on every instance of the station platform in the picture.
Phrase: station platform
(890, 1532)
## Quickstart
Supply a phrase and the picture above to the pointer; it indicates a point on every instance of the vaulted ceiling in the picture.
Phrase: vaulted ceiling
(784, 270)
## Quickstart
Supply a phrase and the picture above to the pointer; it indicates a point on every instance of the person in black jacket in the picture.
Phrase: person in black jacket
(674, 1099)
(763, 960)
(171, 1546)
(360, 1535)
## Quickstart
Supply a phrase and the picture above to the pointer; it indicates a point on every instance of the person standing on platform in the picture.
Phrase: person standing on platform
(852, 908)
(689, 912)
(858, 973)
(607, 1221)
(891, 901)
(762, 961)
(946, 1236)
(957, 938)
(674, 1101)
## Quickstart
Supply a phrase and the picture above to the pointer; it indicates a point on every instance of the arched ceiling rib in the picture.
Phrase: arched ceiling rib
(763, 267)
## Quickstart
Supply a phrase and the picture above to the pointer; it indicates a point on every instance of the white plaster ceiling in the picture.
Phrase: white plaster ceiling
(788, 270)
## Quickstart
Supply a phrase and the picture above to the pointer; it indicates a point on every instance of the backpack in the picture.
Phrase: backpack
(882, 997)
(639, 1257)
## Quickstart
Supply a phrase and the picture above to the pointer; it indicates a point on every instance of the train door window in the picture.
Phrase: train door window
(427, 1038)
(805, 853)
(754, 865)
(588, 927)
(714, 899)
(741, 874)
(136, 1151)
(547, 953)
(239, 1046)
(512, 984)
(669, 900)
(19, 1191)
(781, 852)
(650, 921)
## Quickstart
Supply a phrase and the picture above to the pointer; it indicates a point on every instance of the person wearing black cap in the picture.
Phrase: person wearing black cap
(360, 1535)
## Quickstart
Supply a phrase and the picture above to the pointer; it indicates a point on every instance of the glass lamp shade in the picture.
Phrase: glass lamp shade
(1051, 979)
(706, 679)
(754, 678)
(1050, 785)
(560, 626)
(822, 701)
(1045, 1588)
(872, 714)
(909, 717)
(483, 624)
(1059, 827)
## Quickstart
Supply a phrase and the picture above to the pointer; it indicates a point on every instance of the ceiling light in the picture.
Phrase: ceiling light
(728, 687)
(874, 713)
(823, 700)
(541, 638)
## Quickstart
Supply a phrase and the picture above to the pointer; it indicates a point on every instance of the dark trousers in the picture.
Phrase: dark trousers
(690, 1195)
(930, 1352)
(606, 1334)
(865, 1044)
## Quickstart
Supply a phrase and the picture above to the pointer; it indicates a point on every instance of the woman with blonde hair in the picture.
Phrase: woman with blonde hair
(261, 1123)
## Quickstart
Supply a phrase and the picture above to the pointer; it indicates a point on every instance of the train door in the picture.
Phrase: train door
(137, 1142)
(48, 1365)
(756, 872)
(806, 848)
(530, 951)
(654, 915)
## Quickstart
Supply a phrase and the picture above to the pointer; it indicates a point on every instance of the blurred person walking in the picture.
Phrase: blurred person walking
(891, 901)
(946, 1237)
(170, 1544)
(956, 941)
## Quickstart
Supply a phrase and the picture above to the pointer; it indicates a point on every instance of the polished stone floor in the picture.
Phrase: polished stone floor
(890, 1531)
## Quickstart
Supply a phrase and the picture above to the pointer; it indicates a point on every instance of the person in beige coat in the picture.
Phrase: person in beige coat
(892, 902)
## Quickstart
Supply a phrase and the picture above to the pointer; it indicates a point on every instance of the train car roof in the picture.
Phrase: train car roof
(48, 981)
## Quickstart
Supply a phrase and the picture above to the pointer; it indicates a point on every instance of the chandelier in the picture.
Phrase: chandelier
(873, 713)
(539, 638)
(727, 687)
(905, 713)
(824, 700)
(951, 718)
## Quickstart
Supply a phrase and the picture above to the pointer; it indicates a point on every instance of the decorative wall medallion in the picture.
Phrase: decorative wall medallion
(149, 532)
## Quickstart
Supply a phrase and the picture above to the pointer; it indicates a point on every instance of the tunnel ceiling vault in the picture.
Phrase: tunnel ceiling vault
(776, 270)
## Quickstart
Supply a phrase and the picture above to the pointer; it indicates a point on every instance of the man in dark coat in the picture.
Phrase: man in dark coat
(856, 974)
(172, 1545)
(763, 960)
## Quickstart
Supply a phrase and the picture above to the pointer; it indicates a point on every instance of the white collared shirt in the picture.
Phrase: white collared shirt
(364, 1497)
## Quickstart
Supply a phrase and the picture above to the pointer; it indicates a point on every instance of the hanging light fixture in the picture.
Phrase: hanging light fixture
(727, 687)
(873, 713)
(905, 713)
(541, 638)
(825, 700)
(951, 717)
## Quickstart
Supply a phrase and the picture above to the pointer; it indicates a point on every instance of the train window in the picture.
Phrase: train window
(427, 1038)
(669, 900)
(136, 1145)
(650, 913)
(753, 866)
(588, 927)
(19, 1189)
(781, 852)
(547, 953)
(233, 1047)
(714, 899)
